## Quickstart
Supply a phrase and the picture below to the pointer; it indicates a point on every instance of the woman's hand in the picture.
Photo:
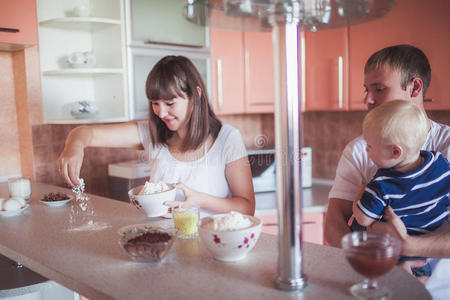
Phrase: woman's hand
(191, 197)
(69, 164)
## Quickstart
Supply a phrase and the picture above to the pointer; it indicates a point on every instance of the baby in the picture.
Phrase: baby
(414, 183)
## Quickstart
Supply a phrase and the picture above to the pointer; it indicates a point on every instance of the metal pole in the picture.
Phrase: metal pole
(284, 19)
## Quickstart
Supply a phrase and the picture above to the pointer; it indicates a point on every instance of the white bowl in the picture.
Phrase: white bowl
(57, 203)
(9, 213)
(230, 246)
(152, 205)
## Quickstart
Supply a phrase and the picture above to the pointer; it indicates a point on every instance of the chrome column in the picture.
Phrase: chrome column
(284, 18)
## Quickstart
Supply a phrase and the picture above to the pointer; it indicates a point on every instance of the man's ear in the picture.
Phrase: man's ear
(397, 151)
(416, 87)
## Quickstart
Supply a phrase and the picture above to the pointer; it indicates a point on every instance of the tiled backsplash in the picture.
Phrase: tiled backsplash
(48, 143)
(326, 133)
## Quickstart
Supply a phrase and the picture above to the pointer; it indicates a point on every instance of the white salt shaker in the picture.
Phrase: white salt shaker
(20, 187)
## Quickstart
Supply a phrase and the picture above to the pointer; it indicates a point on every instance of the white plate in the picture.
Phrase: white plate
(57, 203)
(126, 229)
(9, 213)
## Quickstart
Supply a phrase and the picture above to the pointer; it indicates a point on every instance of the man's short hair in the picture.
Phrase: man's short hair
(410, 61)
(398, 122)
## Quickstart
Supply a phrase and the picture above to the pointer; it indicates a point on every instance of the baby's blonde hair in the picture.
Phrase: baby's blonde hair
(398, 122)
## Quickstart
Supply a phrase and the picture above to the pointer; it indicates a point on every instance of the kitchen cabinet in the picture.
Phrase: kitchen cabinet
(424, 24)
(242, 67)
(161, 22)
(17, 24)
(258, 63)
(154, 29)
(334, 59)
(66, 27)
(142, 60)
(326, 70)
(312, 226)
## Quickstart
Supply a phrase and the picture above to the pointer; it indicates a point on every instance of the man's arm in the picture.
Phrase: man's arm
(428, 245)
(338, 212)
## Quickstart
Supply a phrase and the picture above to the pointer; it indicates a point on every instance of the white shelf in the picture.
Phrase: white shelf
(87, 121)
(84, 71)
(80, 23)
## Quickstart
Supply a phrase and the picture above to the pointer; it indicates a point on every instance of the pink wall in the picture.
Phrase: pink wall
(326, 132)
(9, 137)
(20, 97)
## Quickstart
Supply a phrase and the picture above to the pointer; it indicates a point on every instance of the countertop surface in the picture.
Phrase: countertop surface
(315, 199)
(79, 249)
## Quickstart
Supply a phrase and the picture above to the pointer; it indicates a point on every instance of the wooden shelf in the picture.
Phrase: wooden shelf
(80, 23)
(84, 71)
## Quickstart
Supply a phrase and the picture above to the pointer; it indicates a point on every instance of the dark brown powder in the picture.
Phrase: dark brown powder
(55, 197)
(151, 237)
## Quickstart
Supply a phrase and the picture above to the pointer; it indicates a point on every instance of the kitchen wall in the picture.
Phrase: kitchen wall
(326, 132)
(31, 149)
(20, 99)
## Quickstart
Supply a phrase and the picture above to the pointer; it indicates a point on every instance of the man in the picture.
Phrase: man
(397, 72)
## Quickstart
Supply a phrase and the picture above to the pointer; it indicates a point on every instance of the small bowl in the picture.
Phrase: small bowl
(10, 213)
(152, 250)
(57, 203)
(152, 205)
(230, 246)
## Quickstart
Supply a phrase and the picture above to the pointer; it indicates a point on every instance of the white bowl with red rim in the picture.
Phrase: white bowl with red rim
(152, 204)
(230, 245)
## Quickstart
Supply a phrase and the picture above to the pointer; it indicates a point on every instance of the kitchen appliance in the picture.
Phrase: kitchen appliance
(124, 176)
(262, 163)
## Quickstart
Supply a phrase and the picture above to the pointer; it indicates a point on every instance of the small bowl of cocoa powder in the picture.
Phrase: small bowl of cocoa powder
(56, 199)
(146, 243)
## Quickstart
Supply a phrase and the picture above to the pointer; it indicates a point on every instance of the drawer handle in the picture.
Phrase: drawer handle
(5, 29)
(219, 84)
(341, 82)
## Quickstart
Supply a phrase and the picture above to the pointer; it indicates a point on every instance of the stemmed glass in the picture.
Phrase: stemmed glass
(371, 255)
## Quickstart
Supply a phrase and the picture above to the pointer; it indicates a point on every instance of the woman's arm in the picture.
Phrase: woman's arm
(239, 177)
(114, 135)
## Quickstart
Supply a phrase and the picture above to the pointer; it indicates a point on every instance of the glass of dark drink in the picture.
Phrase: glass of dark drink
(371, 255)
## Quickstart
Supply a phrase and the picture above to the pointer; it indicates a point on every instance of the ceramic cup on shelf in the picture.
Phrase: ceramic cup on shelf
(83, 109)
(82, 10)
(81, 59)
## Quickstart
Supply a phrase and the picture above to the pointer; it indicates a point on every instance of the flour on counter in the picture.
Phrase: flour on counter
(82, 213)
(91, 226)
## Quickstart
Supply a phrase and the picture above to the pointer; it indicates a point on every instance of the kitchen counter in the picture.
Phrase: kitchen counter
(18, 281)
(79, 249)
(315, 199)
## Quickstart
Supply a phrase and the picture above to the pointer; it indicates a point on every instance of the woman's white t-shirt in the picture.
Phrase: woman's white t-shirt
(206, 174)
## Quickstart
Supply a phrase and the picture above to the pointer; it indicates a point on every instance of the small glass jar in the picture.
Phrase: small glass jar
(186, 221)
(20, 187)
